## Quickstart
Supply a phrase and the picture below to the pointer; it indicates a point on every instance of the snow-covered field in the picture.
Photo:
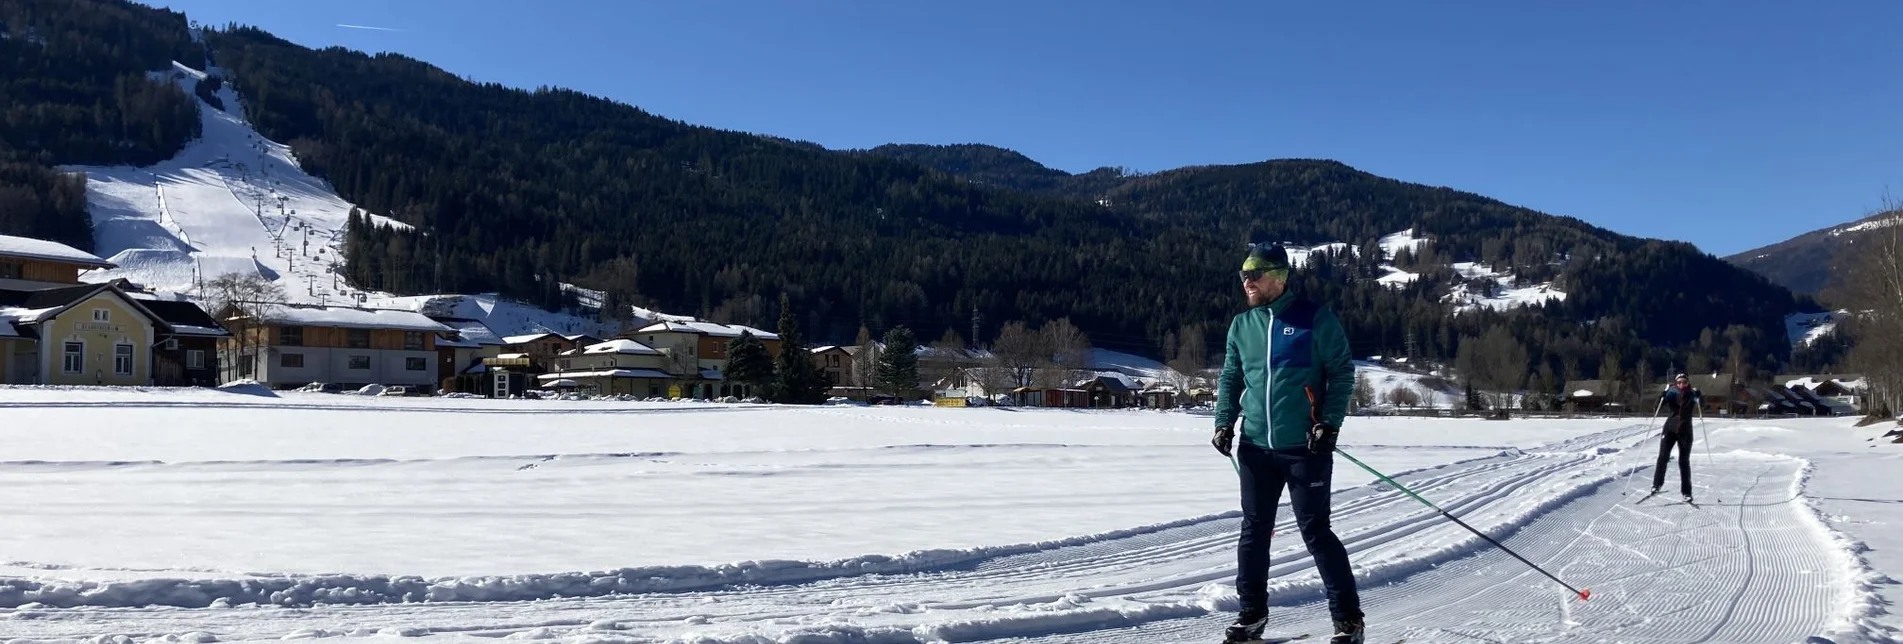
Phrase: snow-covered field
(212, 516)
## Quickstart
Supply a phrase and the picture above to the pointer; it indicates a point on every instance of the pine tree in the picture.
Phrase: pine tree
(748, 363)
(898, 364)
(796, 379)
(1474, 401)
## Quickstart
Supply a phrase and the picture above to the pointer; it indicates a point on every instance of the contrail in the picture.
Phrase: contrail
(366, 27)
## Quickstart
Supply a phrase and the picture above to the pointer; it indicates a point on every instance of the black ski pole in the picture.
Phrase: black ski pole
(1582, 594)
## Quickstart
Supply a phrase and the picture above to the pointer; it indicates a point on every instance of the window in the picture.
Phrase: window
(10, 270)
(194, 359)
(102, 315)
(291, 336)
(121, 359)
(75, 361)
(291, 360)
(416, 364)
(360, 363)
(564, 364)
(359, 339)
(412, 340)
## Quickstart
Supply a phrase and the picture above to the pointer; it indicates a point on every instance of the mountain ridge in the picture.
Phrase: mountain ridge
(1808, 263)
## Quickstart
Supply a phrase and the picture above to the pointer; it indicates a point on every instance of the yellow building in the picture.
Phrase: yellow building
(55, 330)
(90, 334)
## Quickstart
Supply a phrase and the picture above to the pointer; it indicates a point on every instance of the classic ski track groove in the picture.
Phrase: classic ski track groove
(1463, 596)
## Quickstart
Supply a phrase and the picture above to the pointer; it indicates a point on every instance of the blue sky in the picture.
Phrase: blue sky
(1727, 124)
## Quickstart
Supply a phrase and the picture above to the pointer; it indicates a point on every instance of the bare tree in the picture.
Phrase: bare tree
(239, 301)
(1020, 352)
(1364, 392)
(865, 359)
(1403, 396)
(1495, 364)
(1190, 356)
(1068, 351)
(1871, 285)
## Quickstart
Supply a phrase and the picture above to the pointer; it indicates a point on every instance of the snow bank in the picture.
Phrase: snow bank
(384, 589)
(1857, 617)
(247, 387)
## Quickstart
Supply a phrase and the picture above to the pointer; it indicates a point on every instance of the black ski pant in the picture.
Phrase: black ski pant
(1680, 435)
(1308, 478)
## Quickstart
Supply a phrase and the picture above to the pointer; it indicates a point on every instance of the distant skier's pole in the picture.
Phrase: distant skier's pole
(1648, 423)
(1707, 432)
(1582, 594)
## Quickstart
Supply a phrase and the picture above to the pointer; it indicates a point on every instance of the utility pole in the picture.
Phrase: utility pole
(974, 326)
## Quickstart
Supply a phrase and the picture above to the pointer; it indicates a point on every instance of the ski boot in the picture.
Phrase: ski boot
(1348, 632)
(1248, 627)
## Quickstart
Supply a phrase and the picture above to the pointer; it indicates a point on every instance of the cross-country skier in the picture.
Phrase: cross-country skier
(1680, 404)
(1287, 374)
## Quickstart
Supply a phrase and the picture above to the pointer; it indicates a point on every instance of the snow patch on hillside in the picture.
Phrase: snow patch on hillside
(1484, 287)
(1392, 243)
(1804, 328)
(1868, 226)
(1434, 392)
(1298, 256)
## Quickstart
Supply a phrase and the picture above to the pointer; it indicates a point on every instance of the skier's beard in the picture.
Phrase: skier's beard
(1265, 291)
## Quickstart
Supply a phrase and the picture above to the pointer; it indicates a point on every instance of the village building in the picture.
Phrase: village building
(1595, 396)
(290, 346)
(186, 354)
(460, 353)
(614, 367)
(55, 330)
(696, 355)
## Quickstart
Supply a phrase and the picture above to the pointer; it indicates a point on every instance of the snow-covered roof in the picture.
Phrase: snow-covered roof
(29, 248)
(24, 316)
(445, 341)
(526, 338)
(707, 328)
(349, 318)
(711, 374)
(473, 332)
(187, 329)
(625, 347)
(607, 373)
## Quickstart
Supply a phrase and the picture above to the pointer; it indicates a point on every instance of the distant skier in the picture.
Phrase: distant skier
(1681, 402)
(1287, 373)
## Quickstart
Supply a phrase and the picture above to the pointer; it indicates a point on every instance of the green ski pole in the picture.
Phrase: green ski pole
(1582, 594)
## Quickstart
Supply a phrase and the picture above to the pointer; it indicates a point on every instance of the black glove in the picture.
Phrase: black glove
(1224, 439)
(1321, 438)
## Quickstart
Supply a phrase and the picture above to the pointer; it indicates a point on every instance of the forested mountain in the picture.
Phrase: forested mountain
(519, 191)
(1808, 263)
(75, 91)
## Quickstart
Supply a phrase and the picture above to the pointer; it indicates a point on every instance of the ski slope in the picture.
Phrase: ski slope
(231, 201)
(256, 517)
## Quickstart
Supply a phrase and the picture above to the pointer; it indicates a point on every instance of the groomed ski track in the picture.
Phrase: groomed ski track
(1753, 563)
